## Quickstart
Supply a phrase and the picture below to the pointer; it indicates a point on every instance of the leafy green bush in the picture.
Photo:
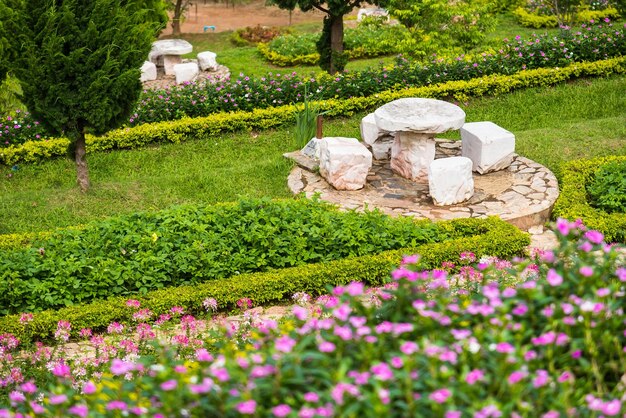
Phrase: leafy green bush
(574, 201)
(490, 236)
(608, 187)
(190, 244)
(538, 20)
(252, 35)
(201, 128)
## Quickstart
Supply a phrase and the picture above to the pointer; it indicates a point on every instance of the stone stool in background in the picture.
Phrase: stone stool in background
(186, 72)
(379, 140)
(450, 180)
(489, 146)
(207, 61)
(148, 71)
(344, 162)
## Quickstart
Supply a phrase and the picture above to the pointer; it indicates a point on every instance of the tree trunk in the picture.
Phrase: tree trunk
(336, 41)
(82, 172)
(178, 13)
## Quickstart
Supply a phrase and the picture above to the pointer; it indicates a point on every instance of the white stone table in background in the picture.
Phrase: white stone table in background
(168, 52)
(415, 122)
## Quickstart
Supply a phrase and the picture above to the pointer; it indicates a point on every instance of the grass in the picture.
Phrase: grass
(552, 125)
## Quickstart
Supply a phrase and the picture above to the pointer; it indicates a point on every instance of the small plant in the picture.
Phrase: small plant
(608, 188)
(306, 121)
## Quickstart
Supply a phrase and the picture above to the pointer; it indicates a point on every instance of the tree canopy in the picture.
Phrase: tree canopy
(78, 62)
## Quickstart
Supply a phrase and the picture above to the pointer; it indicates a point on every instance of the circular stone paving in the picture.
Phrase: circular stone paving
(522, 195)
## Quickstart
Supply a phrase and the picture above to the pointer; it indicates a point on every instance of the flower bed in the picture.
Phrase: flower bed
(543, 340)
(260, 119)
(591, 43)
(480, 236)
(573, 203)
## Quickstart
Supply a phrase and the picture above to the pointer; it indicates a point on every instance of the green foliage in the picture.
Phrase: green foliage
(607, 190)
(306, 123)
(10, 91)
(78, 62)
(188, 245)
(252, 35)
(262, 119)
(439, 24)
(481, 236)
(574, 202)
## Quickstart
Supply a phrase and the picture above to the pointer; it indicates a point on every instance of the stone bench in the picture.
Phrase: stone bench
(450, 180)
(344, 162)
(489, 146)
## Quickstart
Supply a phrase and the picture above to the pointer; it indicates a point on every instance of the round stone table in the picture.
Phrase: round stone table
(168, 52)
(415, 122)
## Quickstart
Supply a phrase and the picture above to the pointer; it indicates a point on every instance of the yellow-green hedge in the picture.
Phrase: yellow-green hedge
(573, 204)
(531, 20)
(260, 119)
(492, 236)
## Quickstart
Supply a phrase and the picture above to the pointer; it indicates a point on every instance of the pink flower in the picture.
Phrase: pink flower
(133, 303)
(281, 410)
(61, 370)
(115, 405)
(452, 414)
(563, 226)
(79, 410)
(311, 397)
(440, 395)
(382, 371)
(16, 397)
(326, 347)
(553, 278)
(408, 348)
(516, 377)
(169, 385)
(541, 379)
(89, 388)
(57, 399)
(203, 355)
(612, 408)
(594, 236)
(474, 376)
(586, 271)
(285, 344)
(621, 274)
(120, 367)
(26, 318)
(247, 407)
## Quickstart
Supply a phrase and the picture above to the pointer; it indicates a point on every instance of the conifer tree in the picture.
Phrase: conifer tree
(78, 62)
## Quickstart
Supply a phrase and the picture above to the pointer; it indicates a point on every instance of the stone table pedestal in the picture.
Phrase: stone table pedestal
(415, 122)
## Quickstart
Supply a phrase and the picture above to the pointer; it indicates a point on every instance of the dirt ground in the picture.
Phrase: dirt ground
(226, 18)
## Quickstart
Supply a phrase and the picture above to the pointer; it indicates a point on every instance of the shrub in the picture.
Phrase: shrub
(542, 19)
(574, 202)
(479, 236)
(608, 187)
(543, 340)
(187, 245)
(252, 35)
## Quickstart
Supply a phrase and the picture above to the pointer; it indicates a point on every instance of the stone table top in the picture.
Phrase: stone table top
(171, 47)
(427, 116)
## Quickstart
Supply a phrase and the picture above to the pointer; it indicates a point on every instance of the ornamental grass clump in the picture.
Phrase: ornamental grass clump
(542, 338)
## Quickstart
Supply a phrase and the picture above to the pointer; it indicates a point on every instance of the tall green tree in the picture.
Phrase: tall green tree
(330, 45)
(78, 62)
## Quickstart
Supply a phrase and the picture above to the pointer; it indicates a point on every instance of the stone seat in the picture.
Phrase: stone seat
(186, 72)
(450, 180)
(489, 146)
(344, 162)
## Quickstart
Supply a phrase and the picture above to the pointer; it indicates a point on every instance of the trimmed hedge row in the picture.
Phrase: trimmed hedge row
(532, 20)
(260, 119)
(573, 202)
(492, 237)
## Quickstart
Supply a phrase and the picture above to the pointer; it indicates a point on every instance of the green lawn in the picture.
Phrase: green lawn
(554, 124)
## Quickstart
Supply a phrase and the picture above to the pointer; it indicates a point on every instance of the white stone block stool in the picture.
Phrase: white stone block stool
(344, 162)
(148, 71)
(207, 60)
(378, 139)
(450, 180)
(186, 72)
(489, 146)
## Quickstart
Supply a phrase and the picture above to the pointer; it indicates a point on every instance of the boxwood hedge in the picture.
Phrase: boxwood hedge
(574, 203)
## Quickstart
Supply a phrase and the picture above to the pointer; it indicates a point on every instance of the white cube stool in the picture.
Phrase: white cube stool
(489, 146)
(186, 72)
(148, 71)
(450, 180)
(344, 162)
(207, 60)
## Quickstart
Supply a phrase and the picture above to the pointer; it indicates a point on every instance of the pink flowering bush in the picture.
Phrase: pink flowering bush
(544, 338)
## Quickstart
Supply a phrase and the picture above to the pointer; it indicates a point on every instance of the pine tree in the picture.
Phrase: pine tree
(78, 62)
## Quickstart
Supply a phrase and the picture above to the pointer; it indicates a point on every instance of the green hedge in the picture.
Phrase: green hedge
(490, 236)
(137, 253)
(532, 20)
(573, 202)
(260, 119)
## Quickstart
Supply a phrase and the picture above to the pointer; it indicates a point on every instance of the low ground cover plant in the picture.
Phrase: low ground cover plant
(252, 35)
(192, 244)
(592, 190)
(542, 337)
(590, 43)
